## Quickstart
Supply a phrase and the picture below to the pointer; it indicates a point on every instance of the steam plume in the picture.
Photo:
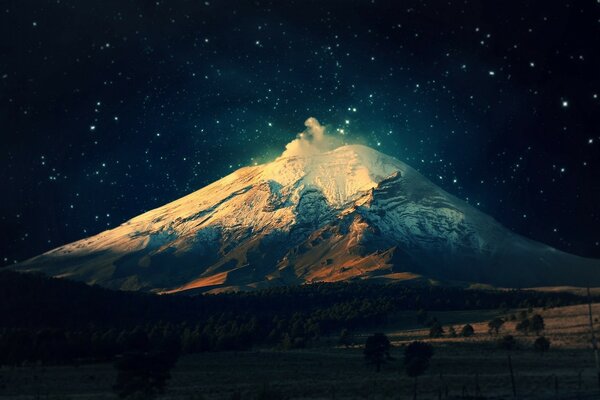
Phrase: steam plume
(312, 140)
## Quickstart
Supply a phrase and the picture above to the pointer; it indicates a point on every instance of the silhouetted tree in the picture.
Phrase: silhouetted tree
(523, 326)
(541, 344)
(377, 350)
(416, 361)
(436, 330)
(452, 332)
(537, 323)
(467, 331)
(508, 342)
(495, 325)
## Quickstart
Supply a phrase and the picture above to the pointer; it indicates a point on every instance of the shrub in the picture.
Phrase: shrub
(537, 324)
(452, 332)
(416, 358)
(541, 344)
(377, 350)
(523, 326)
(495, 325)
(467, 331)
(436, 330)
(416, 361)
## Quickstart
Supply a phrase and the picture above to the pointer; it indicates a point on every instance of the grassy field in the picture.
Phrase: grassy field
(460, 366)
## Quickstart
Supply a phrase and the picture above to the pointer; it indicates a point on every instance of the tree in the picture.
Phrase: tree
(523, 326)
(495, 325)
(541, 344)
(143, 375)
(452, 332)
(537, 324)
(416, 361)
(377, 350)
(436, 330)
(508, 342)
(467, 331)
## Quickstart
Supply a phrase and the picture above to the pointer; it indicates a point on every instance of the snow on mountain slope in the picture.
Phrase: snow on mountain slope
(340, 175)
(319, 215)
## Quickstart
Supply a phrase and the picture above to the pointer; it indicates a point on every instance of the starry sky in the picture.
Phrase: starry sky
(111, 108)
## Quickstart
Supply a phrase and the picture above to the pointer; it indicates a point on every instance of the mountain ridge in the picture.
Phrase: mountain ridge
(343, 214)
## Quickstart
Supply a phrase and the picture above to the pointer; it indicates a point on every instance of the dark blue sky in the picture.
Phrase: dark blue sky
(109, 108)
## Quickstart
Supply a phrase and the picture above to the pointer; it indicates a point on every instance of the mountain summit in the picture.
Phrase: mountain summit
(313, 214)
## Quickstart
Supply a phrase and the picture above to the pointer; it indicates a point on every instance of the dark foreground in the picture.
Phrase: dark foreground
(461, 367)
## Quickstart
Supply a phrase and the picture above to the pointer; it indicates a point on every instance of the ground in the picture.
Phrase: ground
(328, 371)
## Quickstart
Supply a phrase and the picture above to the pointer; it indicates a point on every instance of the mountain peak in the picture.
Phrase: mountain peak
(322, 211)
(340, 175)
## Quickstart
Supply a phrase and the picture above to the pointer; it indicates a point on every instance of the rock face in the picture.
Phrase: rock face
(350, 213)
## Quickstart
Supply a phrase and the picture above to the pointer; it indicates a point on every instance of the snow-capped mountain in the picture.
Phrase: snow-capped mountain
(342, 214)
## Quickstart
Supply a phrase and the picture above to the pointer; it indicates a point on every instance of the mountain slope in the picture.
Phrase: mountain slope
(348, 213)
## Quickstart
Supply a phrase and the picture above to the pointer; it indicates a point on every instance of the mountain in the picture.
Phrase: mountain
(351, 213)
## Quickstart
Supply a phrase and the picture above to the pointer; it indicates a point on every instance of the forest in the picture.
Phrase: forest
(57, 321)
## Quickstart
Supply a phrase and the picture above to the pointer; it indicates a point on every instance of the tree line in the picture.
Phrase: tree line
(59, 321)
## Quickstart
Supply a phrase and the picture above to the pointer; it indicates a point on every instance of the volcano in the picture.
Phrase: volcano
(351, 213)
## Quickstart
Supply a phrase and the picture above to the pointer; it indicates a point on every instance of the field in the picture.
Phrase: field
(460, 367)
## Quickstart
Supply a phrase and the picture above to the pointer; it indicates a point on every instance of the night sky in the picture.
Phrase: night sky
(111, 108)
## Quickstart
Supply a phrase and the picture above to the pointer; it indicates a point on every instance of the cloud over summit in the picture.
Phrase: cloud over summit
(312, 140)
